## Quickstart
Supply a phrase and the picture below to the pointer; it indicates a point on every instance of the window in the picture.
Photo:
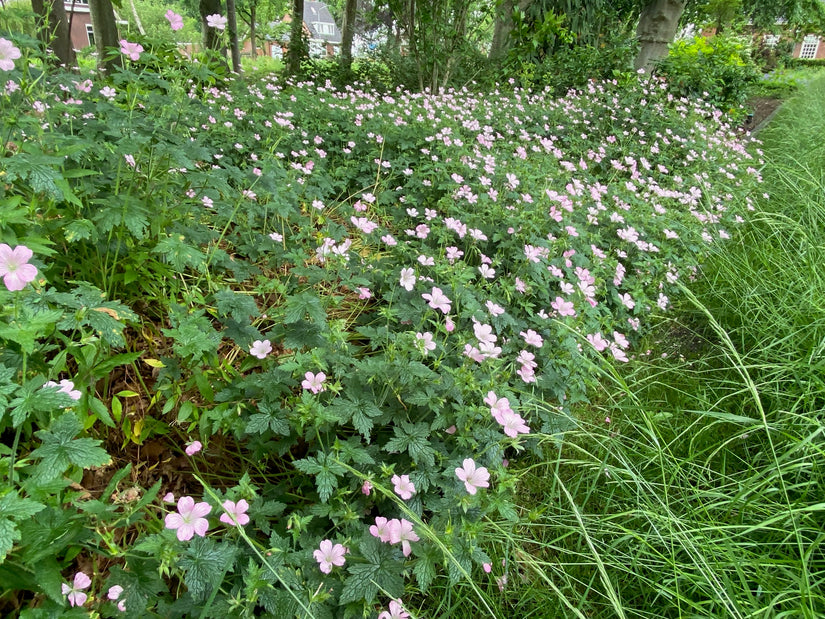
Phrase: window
(810, 45)
(90, 33)
(324, 28)
(771, 40)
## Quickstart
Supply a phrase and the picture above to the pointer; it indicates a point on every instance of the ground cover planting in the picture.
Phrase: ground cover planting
(274, 348)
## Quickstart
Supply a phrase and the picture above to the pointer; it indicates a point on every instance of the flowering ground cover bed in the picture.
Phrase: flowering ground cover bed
(294, 335)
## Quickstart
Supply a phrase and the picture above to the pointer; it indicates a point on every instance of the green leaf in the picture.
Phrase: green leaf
(271, 417)
(240, 307)
(34, 325)
(415, 439)
(304, 303)
(326, 473)
(18, 508)
(33, 397)
(205, 562)
(379, 571)
(60, 449)
(8, 535)
(180, 253)
(425, 568)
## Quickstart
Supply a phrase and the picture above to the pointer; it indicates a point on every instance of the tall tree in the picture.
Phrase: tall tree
(347, 34)
(106, 36)
(232, 26)
(657, 28)
(297, 50)
(53, 31)
(211, 36)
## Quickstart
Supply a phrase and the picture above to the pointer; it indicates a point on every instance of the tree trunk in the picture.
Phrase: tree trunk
(504, 26)
(347, 34)
(106, 37)
(53, 31)
(297, 50)
(657, 28)
(211, 36)
(232, 26)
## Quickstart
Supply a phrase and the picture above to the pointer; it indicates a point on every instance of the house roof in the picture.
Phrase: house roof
(320, 22)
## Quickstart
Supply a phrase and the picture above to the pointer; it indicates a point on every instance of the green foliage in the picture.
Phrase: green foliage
(221, 261)
(719, 70)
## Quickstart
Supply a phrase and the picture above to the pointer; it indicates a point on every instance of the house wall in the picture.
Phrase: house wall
(79, 19)
(820, 51)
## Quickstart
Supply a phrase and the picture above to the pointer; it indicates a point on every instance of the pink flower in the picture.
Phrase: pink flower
(364, 293)
(402, 531)
(473, 478)
(564, 308)
(424, 342)
(487, 567)
(216, 20)
(403, 486)
(513, 424)
(235, 513)
(597, 341)
(366, 488)
(328, 555)
(260, 348)
(67, 387)
(380, 529)
(190, 518)
(314, 382)
(407, 280)
(395, 611)
(113, 594)
(8, 54)
(193, 448)
(14, 267)
(168, 498)
(175, 20)
(437, 300)
(132, 50)
(498, 406)
(532, 338)
(449, 325)
(75, 593)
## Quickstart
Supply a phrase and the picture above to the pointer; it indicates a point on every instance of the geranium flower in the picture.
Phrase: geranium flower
(407, 279)
(395, 611)
(260, 348)
(424, 342)
(132, 50)
(328, 555)
(532, 338)
(67, 387)
(314, 382)
(74, 593)
(235, 513)
(403, 486)
(8, 54)
(402, 531)
(193, 447)
(113, 594)
(380, 529)
(216, 20)
(175, 20)
(190, 518)
(14, 267)
(437, 300)
(513, 424)
(473, 478)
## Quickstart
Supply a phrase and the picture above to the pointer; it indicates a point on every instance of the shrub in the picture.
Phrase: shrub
(719, 69)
